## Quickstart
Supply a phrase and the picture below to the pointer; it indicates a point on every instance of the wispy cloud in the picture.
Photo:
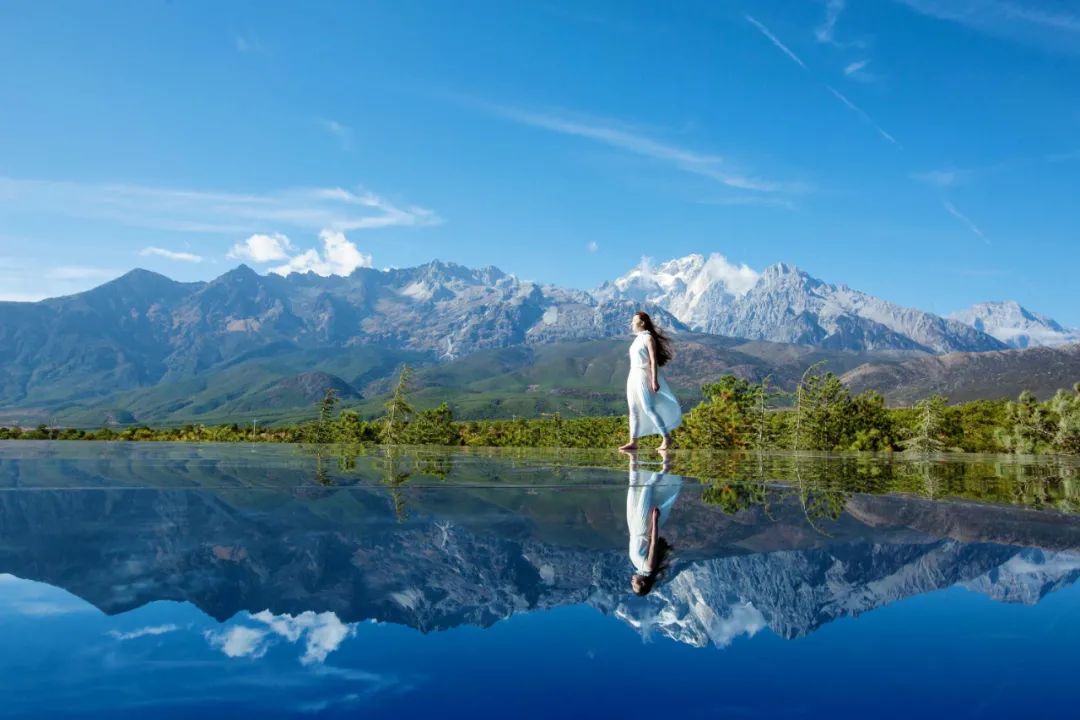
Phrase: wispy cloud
(199, 211)
(761, 200)
(863, 114)
(31, 280)
(78, 272)
(952, 210)
(592, 246)
(826, 32)
(1062, 156)
(342, 133)
(943, 178)
(836, 93)
(775, 40)
(857, 71)
(170, 254)
(951, 176)
(1051, 26)
(150, 631)
(248, 43)
(714, 167)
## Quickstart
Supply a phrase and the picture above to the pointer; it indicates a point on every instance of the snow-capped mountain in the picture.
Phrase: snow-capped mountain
(692, 288)
(785, 304)
(1015, 325)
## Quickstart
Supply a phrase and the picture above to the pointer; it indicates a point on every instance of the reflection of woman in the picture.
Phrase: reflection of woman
(649, 500)
(654, 410)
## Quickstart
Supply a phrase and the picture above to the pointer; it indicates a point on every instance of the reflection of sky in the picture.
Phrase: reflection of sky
(957, 652)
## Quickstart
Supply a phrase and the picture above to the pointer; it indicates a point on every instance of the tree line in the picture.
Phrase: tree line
(820, 414)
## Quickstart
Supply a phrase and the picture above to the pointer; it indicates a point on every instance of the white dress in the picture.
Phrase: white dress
(647, 490)
(650, 413)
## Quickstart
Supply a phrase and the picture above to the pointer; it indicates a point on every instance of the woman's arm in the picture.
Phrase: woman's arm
(654, 384)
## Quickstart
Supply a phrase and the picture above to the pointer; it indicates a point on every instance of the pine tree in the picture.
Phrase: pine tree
(398, 410)
(928, 431)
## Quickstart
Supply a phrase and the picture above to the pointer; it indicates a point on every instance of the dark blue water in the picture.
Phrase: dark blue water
(165, 581)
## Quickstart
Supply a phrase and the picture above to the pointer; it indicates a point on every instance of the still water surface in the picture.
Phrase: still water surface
(209, 580)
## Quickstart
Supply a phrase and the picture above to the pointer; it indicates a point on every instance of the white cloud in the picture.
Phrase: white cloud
(239, 641)
(952, 210)
(200, 211)
(171, 254)
(592, 246)
(738, 279)
(261, 248)
(149, 631)
(861, 113)
(339, 256)
(711, 166)
(775, 40)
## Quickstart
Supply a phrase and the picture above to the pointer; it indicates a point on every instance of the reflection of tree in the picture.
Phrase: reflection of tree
(395, 473)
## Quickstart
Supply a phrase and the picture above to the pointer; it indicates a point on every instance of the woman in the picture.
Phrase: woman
(648, 504)
(653, 407)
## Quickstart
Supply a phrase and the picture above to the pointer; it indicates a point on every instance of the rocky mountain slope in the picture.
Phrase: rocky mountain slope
(971, 376)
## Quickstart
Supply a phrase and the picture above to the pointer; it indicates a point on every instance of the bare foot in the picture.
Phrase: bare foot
(665, 445)
(628, 446)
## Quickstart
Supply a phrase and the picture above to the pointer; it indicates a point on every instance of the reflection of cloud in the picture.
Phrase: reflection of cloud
(34, 599)
(151, 630)
(322, 634)
(239, 641)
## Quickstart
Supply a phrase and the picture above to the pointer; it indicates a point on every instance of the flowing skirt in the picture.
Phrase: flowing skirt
(650, 413)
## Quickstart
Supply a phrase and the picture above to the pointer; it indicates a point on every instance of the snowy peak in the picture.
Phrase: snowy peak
(786, 304)
(690, 287)
(1015, 325)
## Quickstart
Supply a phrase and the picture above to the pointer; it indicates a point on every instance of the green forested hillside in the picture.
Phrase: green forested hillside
(573, 378)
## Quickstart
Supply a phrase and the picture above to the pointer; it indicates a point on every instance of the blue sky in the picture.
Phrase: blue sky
(926, 151)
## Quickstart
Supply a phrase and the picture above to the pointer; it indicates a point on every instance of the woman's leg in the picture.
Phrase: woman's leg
(634, 421)
(635, 418)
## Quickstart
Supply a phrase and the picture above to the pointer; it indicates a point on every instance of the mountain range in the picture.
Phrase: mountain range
(145, 348)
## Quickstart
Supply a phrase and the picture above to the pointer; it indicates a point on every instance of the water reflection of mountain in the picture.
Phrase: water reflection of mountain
(477, 555)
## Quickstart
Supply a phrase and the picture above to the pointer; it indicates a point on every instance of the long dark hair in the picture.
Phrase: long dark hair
(663, 559)
(663, 343)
